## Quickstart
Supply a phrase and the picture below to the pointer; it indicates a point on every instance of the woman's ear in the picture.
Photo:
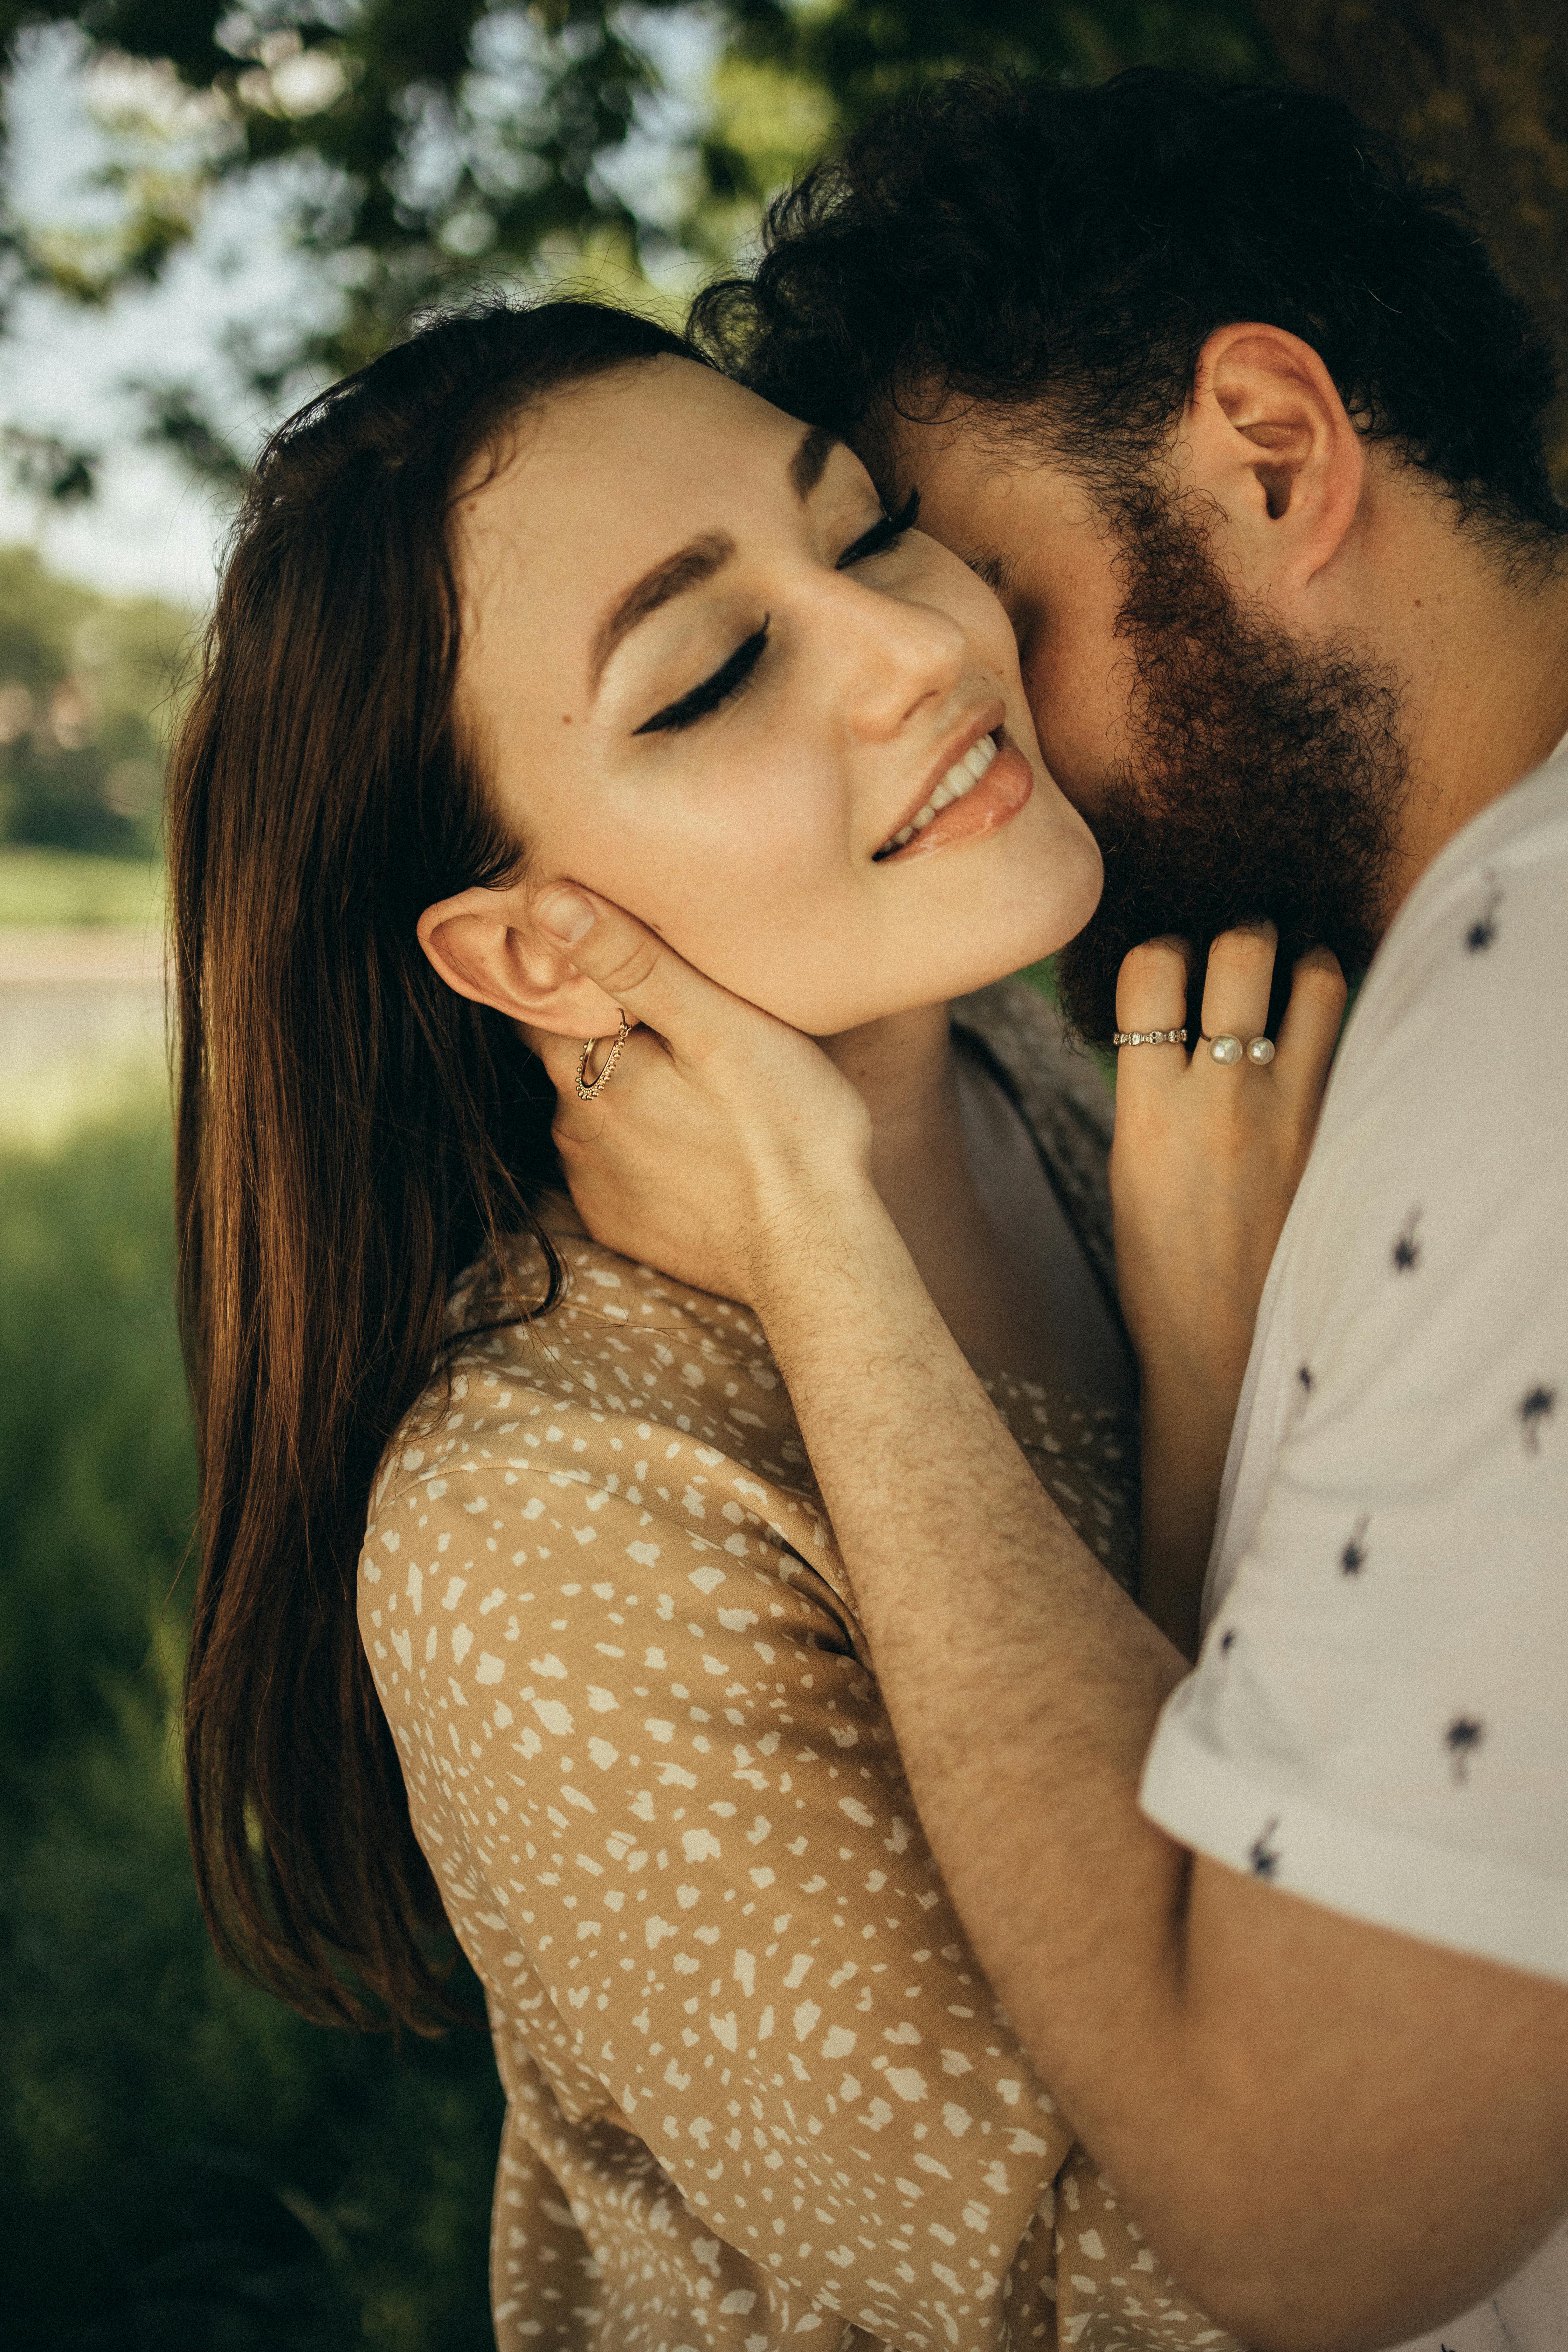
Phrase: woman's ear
(486, 945)
(1269, 440)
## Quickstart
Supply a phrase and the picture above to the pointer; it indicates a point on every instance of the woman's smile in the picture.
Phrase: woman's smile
(977, 795)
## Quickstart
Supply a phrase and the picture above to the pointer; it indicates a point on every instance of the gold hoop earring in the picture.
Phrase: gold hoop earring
(586, 1091)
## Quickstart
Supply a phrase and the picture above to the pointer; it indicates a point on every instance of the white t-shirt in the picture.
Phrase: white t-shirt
(1378, 1719)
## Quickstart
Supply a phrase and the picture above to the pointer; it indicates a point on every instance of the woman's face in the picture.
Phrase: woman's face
(705, 678)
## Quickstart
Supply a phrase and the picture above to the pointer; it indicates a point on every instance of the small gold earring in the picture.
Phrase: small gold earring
(586, 1092)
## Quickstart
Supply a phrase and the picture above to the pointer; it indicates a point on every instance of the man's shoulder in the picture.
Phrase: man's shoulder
(1456, 1045)
(1489, 910)
(1387, 1599)
(1430, 1211)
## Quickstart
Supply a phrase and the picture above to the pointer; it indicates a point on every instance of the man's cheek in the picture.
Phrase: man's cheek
(1079, 698)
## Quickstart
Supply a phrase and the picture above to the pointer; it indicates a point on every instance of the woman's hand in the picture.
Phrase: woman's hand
(724, 1143)
(1203, 1167)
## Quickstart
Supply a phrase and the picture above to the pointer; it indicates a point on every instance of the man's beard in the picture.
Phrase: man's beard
(1266, 778)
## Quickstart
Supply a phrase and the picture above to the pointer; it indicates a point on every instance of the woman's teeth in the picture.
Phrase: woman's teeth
(961, 778)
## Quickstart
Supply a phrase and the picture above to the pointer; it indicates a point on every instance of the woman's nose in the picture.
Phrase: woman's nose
(897, 653)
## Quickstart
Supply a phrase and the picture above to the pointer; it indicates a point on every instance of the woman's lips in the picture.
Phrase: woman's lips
(1001, 792)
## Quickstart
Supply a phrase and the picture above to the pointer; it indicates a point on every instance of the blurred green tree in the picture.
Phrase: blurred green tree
(446, 139)
(87, 683)
(435, 143)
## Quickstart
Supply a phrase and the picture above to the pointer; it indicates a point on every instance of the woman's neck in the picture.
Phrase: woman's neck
(930, 1163)
(906, 1071)
(961, 1179)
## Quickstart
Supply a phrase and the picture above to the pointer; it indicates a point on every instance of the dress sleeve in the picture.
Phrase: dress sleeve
(640, 1727)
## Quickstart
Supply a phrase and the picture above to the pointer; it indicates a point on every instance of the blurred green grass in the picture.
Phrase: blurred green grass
(183, 2163)
(71, 886)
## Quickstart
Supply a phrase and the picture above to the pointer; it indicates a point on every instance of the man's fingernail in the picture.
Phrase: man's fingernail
(565, 915)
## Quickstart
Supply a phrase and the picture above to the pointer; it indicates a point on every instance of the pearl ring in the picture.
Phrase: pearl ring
(1227, 1049)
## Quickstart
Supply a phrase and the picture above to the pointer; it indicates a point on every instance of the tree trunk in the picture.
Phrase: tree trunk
(1476, 91)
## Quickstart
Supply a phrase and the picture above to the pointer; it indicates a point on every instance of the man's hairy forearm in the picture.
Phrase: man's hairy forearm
(1295, 2108)
(1022, 1684)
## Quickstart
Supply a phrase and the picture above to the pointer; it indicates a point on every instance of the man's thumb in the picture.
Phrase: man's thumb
(635, 970)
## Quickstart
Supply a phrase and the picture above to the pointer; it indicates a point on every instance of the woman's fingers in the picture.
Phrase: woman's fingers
(1152, 998)
(1237, 984)
(1152, 986)
(1310, 1029)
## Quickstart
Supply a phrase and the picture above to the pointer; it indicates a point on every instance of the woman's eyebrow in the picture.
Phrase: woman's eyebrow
(688, 568)
(691, 565)
(809, 463)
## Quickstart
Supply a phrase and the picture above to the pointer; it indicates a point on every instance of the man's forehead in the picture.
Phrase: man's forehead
(998, 570)
(992, 488)
(959, 463)
(962, 467)
(956, 436)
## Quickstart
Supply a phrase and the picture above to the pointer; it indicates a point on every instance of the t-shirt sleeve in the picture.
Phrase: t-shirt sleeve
(1378, 1717)
(641, 1728)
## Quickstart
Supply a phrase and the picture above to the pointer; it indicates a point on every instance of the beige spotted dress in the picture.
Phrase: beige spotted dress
(758, 2091)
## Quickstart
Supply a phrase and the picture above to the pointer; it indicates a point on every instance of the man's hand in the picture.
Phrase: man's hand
(722, 1132)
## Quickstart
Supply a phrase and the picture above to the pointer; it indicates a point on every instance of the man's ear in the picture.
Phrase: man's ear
(486, 945)
(1267, 437)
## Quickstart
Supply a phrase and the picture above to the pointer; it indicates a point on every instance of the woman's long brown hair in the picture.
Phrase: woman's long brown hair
(351, 1133)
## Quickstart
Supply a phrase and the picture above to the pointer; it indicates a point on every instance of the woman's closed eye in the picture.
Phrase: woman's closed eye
(726, 680)
(732, 675)
(882, 535)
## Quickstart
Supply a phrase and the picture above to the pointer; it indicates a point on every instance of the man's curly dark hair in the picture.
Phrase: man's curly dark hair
(1059, 255)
